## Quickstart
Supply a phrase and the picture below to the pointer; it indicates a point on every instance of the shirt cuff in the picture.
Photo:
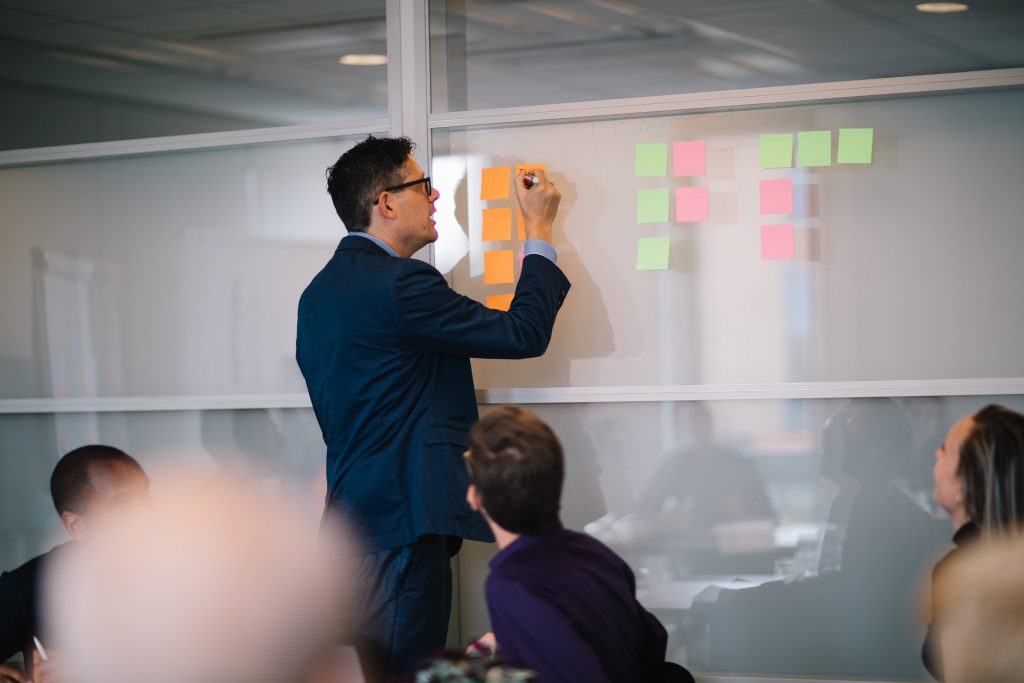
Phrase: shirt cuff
(536, 246)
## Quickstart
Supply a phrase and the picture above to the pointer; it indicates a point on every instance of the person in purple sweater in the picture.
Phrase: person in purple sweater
(561, 603)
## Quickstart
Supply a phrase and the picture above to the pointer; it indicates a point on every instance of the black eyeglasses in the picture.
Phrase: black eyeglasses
(395, 188)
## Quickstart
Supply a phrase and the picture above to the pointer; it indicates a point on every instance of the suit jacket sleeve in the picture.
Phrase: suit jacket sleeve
(432, 316)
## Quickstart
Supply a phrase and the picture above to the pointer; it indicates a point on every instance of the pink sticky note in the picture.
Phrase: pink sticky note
(691, 204)
(776, 196)
(688, 158)
(777, 241)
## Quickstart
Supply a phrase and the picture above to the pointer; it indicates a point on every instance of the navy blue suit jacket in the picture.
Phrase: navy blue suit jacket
(384, 344)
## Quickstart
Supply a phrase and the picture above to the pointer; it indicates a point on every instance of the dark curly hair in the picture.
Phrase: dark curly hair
(357, 178)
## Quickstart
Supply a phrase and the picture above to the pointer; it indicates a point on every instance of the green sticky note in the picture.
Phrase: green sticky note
(814, 148)
(777, 150)
(651, 160)
(855, 145)
(652, 205)
(652, 253)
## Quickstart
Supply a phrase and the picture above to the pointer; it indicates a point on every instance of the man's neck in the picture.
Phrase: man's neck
(504, 538)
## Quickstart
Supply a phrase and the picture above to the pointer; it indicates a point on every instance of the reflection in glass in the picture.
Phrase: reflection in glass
(771, 537)
(82, 72)
(510, 54)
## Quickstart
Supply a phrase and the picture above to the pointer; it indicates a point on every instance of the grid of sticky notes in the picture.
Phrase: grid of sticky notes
(496, 227)
(813, 149)
(684, 159)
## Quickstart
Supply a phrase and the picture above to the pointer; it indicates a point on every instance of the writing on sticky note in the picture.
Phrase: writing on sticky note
(497, 224)
(777, 241)
(814, 148)
(776, 150)
(500, 302)
(691, 204)
(651, 160)
(652, 205)
(855, 145)
(494, 183)
(689, 158)
(526, 168)
(498, 267)
(652, 253)
(776, 196)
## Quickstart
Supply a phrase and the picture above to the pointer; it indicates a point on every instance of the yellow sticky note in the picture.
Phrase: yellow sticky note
(500, 302)
(494, 183)
(498, 267)
(497, 224)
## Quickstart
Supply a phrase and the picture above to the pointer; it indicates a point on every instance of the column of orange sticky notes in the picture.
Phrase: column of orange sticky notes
(497, 227)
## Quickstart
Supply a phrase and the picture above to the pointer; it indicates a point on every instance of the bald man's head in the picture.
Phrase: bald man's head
(93, 481)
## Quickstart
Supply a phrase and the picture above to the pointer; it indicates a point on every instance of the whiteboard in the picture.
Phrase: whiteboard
(905, 268)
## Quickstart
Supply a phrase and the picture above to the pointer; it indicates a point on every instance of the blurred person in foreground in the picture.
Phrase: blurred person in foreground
(979, 482)
(212, 582)
(561, 603)
(979, 618)
(90, 487)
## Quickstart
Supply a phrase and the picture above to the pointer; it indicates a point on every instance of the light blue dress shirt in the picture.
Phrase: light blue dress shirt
(531, 246)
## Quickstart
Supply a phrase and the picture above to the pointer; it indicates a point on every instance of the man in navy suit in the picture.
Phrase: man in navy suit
(384, 345)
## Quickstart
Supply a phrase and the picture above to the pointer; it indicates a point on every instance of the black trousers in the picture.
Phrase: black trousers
(407, 600)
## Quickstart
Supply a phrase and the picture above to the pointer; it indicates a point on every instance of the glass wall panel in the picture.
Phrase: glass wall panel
(487, 54)
(170, 274)
(73, 72)
(281, 447)
(770, 537)
(901, 262)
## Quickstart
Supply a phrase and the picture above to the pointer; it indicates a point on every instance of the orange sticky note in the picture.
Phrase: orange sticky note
(529, 167)
(494, 183)
(500, 302)
(521, 225)
(498, 268)
(497, 224)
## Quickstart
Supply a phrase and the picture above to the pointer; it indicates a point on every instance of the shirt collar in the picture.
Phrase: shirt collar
(376, 240)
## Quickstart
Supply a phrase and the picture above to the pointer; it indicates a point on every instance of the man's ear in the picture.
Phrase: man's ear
(473, 498)
(383, 205)
(73, 523)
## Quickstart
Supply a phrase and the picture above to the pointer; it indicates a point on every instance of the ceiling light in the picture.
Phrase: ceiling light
(363, 60)
(942, 7)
